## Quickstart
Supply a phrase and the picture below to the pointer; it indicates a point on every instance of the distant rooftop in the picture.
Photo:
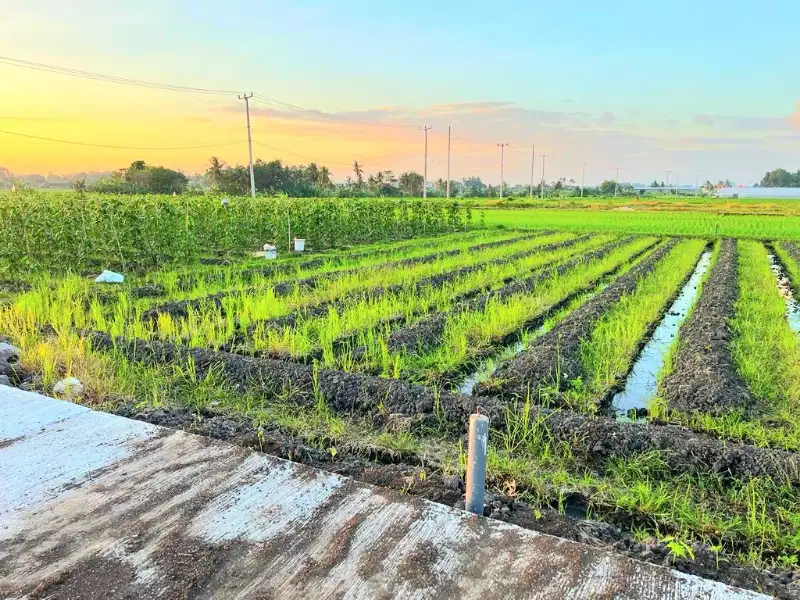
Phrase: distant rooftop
(759, 192)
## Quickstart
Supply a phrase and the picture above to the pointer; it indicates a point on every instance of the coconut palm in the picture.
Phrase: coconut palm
(359, 173)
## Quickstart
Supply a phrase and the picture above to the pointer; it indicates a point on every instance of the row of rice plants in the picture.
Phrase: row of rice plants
(68, 302)
(362, 313)
(469, 335)
(767, 356)
(250, 307)
(609, 350)
(198, 282)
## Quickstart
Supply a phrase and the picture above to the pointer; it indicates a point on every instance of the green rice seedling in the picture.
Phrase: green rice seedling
(765, 350)
(610, 348)
(766, 353)
(469, 332)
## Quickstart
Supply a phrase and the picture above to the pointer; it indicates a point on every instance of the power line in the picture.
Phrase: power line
(26, 64)
(108, 78)
(115, 147)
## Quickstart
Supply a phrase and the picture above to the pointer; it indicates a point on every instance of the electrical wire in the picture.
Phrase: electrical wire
(26, 64)
(74, 143)
(190, 89)
(109, 78)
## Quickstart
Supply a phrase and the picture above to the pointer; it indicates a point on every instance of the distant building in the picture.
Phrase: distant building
(758, 192)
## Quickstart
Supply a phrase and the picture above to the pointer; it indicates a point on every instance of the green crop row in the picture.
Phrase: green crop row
(469, 334)
(69, 231)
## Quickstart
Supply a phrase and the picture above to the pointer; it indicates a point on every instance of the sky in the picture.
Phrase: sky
(704, 89)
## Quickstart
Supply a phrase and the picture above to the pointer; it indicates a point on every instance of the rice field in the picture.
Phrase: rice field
(367, 361)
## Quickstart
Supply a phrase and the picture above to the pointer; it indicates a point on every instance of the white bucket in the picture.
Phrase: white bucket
(299, 244)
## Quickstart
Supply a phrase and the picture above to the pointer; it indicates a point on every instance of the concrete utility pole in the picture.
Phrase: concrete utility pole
(616, 183)
(697, 187)
(246, 98)
(425, 175)
(542, 192)
(448, 163)
(533, 158)
(502, 147)
(583, 178)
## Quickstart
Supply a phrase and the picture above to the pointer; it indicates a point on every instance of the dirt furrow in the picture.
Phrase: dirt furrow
(704, 377)
(425, 332)
(594, 439)
(553, 359)
(181, 308)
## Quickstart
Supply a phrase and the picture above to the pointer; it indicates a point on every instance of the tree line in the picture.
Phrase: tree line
(273, 178)
(780, 178)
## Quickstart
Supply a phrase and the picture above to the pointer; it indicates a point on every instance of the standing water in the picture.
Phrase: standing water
(487, 368)
(785, 289)
(642, 383)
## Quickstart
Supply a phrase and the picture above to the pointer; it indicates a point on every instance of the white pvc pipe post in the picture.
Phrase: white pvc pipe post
(476, 462)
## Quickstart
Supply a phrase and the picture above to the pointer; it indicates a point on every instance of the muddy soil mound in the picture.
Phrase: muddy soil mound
(594, 440)
(553, 359)
(425, 332)
(346, 393)
(597, 439)
(704, 377)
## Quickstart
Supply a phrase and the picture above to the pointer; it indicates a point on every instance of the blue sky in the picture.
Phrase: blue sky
(707, 88)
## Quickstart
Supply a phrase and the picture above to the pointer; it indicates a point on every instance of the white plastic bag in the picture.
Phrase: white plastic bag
(109, 277)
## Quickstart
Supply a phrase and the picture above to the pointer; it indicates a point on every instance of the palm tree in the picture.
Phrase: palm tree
(325, 177)
(359, 173)
(214, 172)
(312, 171)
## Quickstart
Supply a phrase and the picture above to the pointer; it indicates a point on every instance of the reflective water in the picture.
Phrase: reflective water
(487, 368)
(785, 288)
(642, 383)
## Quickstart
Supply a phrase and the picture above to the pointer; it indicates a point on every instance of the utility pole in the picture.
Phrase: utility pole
(677, 181)
(533, 158)
(583, 178)
(502, 147)
(697, 187)
(448, 163)
(542, 193)
(616, 183)
(425, 175)
(246, 98)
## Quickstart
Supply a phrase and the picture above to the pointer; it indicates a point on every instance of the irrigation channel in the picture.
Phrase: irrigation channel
(785, 289)
(642, 382)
